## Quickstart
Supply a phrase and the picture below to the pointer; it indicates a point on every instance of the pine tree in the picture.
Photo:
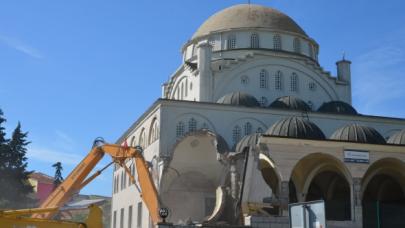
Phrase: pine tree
(18, 166)
(4, 157)
(58, 174)
(14, 186)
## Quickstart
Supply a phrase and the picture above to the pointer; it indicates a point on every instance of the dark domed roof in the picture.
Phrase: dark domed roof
(397, 138)
(239, 99)
(248, 16)
(358, 133)
(290, 102)
(296, 127)
(247, 141)
(339, 107)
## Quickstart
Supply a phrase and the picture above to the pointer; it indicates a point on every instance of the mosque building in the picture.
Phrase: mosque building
(250, 122)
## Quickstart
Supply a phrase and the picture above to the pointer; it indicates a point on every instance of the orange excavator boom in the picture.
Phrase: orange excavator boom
(78, 178)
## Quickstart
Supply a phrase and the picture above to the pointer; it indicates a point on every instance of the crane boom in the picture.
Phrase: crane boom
(77, 178)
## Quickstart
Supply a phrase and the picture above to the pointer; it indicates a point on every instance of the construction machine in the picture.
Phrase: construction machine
(42, 217)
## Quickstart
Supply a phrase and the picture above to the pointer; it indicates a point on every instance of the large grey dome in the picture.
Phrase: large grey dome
(239, 99)
(296, 127)
(248, 16)
(397, 138)
(338, 107)
(290, 102)
(358, 133)
(247, 141)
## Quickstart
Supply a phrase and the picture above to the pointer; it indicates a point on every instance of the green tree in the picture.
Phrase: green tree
(14, 186)
(4, 157)
(58, 179)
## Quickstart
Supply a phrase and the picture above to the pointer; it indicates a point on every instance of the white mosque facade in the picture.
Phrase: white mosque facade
(250, 122)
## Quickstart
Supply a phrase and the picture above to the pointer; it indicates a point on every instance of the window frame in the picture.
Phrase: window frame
(277, 43)
(263, 79)
(254, 41)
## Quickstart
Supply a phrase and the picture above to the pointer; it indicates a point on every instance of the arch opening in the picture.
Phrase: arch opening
(383, 199)
(271, 178)
(333, 188)
(321, 176)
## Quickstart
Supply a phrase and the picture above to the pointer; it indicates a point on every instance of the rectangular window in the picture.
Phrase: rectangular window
(122, 218)
(263, 79)
(278, 82)
(115, 219)
(118, 182)
(115, 180)
(125, 179)
(294, 83)
(130, 217)
(139, 217)
(231, 42)
(186, 90)
(122, 181)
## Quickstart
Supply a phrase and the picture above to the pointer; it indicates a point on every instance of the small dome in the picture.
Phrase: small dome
(295, 127)
(338, 107)
(358, 133)
(239, 99)
(247, 141)
(290, 102)
(397, 138)
(248, 16)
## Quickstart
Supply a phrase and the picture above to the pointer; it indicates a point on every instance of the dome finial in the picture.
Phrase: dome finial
(343, 55)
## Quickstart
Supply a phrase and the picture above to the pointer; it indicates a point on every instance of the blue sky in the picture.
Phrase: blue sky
(71, 71)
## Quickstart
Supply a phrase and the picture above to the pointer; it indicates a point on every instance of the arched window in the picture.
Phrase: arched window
(259, 130)
(180, 129)
(231, 42)
(154, 131)
(312, 86)
(294, 82)
(125, 179)
(254, 41)
(248, 128)
(186, 89)
(205, 126)
(236, 134)
(277, 42)
(244, 80)
(118, 183)
(297, 45)
(115, 185)
(129, 177)
(310, 51)
(263, 101)
(132, 142)
(142, 139)
(192, 125)
(182, 91)
(278, 80)
(263, 79)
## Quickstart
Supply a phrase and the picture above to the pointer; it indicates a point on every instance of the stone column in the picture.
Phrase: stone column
(284, 198)
(357, 214)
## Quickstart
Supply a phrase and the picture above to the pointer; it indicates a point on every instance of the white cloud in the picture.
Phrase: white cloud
(64, 141)
(20, 46)
(378, 78)
(52, 156)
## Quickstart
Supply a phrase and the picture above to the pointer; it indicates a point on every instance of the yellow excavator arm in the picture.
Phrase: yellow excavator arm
(77, 179)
